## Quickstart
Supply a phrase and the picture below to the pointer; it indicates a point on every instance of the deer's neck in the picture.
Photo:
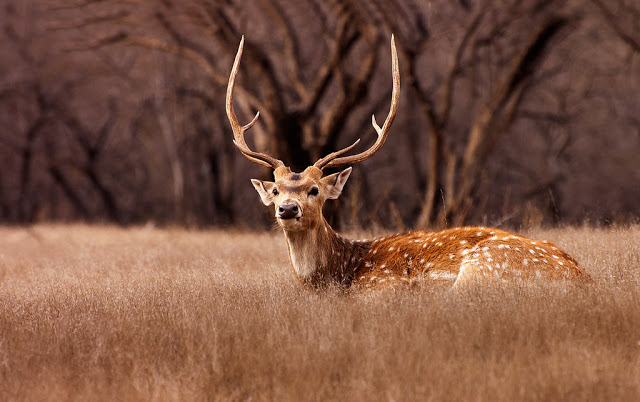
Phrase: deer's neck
(320, 256)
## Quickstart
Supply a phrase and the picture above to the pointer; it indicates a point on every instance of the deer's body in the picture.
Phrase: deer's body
(319, 256)
(450, 257)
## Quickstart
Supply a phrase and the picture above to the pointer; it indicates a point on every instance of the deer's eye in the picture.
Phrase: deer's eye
(275, 191)
(314, 191)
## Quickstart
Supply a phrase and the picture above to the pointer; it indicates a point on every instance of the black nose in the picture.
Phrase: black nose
(288, 211)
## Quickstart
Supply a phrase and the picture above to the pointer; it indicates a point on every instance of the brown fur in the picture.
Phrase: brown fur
(455, 257)
(463, 255)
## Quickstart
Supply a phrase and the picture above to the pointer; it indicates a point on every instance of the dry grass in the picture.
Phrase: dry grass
(99, 313)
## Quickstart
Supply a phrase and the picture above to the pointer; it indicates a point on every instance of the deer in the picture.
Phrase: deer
(456, 257)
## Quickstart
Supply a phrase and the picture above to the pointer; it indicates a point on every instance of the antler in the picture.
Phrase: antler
(238, 130)
(333, 160)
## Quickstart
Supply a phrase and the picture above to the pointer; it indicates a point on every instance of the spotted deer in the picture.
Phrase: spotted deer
(320, 256)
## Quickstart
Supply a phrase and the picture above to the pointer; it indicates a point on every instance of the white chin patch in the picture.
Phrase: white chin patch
(290, 223)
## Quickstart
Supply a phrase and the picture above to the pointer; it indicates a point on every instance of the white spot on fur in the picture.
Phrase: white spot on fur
(442, 275)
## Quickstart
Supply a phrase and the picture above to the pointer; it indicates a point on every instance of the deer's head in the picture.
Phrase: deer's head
(298, 197)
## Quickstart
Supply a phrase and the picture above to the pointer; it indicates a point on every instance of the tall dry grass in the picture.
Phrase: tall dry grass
(100, 313)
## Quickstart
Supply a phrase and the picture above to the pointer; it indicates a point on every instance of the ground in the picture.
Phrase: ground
(103, 313)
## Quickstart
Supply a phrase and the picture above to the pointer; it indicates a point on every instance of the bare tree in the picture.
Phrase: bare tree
(453, 169)
(105, 103)
(88, 163)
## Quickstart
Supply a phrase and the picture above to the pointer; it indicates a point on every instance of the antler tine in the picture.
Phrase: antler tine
(323, 161)
(238, 130)
(332, 160)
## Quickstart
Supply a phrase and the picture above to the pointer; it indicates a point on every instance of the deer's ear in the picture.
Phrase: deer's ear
(266, 190)
(335, 182)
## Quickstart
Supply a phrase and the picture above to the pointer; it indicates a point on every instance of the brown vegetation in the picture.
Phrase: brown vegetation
(112, 110)
(99, 313)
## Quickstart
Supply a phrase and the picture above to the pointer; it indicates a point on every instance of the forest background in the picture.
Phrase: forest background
(511, 112)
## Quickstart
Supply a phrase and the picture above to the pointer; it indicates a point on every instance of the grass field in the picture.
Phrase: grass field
(102, 313)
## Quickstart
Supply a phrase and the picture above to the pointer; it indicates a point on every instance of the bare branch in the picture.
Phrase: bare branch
(614, 23)
(98, 19)
(332, 160)
(321, 81)
(352, 90)
(454, 69)
(291, 52)
(520, 68)
(69, 190)
(66, 5)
